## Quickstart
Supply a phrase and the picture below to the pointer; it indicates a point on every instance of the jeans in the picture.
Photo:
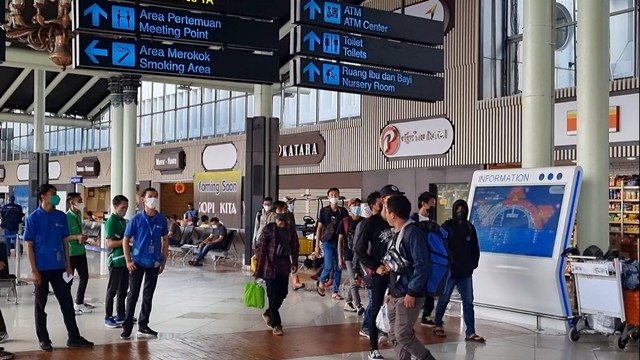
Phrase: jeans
(401, 321)
(62, 290)
(10, 239)
(118, 285)
(465, 288)
(135, 283)
(379, 285)
(367, 312)
(276, 293)
(427, 309)
(354, 291)
(331, 265)
(205, 249)
(79, 264)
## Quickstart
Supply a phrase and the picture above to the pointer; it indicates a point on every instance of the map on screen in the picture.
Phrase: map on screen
(518, 220)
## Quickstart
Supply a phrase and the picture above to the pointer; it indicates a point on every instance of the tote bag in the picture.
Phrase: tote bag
(253, 295)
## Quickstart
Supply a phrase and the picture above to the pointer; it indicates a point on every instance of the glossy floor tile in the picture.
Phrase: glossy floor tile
(199, 315)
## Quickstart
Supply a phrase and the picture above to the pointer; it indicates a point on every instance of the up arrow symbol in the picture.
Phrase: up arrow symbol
(313, 7)
(312, 70)
(96, 12)
(312, 38)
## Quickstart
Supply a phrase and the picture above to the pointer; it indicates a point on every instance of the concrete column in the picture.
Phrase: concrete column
(117, 113)
(39, 97)
(538, 84)
(130, 86)
(593, 122)
(263, 106)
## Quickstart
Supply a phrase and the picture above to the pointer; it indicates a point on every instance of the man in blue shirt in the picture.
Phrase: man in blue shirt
(146, 246)
(47, 237)
(12, 216)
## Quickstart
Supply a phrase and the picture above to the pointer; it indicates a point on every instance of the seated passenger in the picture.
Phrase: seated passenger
(215, 241)
(204, 222)
(175, 234)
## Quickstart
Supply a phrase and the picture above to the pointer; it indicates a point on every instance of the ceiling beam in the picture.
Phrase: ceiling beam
(16, 83)
(52, 85)
(48, 120)
(92, 114)
(80, 93)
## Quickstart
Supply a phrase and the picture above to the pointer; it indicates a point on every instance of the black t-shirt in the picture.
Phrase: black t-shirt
(348, 234)
(331, 221)
(376, 235)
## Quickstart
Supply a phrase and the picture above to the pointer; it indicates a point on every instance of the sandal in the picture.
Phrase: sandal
(320, 292)
(336, 296)
(476, 338)
(299, 287)
(439, 333)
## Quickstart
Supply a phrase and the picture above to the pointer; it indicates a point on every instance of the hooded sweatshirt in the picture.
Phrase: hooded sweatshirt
(463, 242)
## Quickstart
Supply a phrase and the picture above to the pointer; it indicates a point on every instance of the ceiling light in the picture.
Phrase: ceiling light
(631, 158)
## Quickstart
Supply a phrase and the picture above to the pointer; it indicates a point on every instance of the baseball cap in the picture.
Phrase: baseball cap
(389, 189)
(354, 200)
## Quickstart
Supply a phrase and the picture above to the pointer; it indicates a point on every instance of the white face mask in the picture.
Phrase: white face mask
(366, 211)
(151, 202)
(334, 200)
(79, 206)
(266, 207)
(214, 226)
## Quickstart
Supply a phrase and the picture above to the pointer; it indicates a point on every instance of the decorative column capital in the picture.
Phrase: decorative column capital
(130, 85)
(116, 91)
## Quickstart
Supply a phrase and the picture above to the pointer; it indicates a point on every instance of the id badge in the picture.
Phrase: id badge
(151, 248)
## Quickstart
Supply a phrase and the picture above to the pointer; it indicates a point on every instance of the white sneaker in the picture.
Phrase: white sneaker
(81, 309)
(375, 355)
(348, 307)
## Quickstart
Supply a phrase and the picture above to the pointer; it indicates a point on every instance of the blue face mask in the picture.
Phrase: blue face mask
(356, 210)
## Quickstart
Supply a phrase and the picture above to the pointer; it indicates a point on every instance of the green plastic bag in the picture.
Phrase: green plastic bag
(253, 295)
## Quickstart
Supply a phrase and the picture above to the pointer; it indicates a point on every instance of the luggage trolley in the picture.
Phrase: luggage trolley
(598, 291)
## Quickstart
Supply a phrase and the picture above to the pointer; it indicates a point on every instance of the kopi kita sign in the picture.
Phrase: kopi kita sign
(425, 137)
(219, 194)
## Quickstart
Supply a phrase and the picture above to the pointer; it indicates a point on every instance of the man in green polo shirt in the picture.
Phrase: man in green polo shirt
(118, 272)
(77, 252)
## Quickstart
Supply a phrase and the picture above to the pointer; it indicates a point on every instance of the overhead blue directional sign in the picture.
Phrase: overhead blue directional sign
(361, 20)
(102, 16)
(313, 41)
(141, 56)
(261, 9)
(365, 80)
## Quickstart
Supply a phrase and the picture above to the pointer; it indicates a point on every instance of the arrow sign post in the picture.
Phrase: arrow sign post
(313, 7)
(96, 12)
(312, 70)
(312, 38)
(92, 51)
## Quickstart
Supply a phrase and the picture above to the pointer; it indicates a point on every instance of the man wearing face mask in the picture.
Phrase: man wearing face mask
(214, 241)
(277, 257)
(77, 252)
(346, 234)
(464, 248)
(47, 237)
(261, 219)
(426, 202)
(118, 273)
(329, 220)
(146, 246)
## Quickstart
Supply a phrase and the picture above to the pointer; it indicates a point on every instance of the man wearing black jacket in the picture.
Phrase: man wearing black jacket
(371, 246)
(463, 244)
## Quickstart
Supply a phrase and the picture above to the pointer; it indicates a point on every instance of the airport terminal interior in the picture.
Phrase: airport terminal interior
(219, 104)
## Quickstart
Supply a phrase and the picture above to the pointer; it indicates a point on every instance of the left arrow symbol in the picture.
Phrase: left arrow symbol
(92, 51)
(96, 12)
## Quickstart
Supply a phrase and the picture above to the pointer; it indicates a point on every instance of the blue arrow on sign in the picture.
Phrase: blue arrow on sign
(96, 12)
(313, 7)
(312, 70)
(312, 38)
(92, 51)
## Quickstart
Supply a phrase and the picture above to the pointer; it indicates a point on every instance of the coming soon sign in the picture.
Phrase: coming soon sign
(219, 194)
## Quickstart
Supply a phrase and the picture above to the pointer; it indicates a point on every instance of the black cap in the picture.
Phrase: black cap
(389, 189)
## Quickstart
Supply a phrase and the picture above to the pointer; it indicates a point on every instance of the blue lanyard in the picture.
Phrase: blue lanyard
(151, 230)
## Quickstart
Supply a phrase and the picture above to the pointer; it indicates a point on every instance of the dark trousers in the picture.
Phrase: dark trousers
(135, 283)
(277, 290)
(3, 326)
(62, 290)
(429, 305)
(79, 264)
(379, 285)
(118, 285)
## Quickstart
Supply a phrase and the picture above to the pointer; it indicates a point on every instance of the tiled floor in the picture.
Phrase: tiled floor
(199, 314)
